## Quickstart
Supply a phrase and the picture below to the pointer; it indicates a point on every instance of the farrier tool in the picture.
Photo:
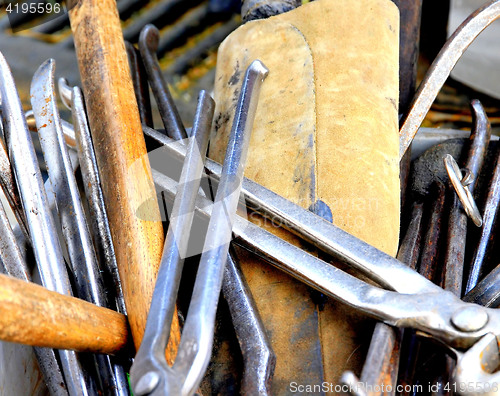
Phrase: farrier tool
(415, 301)
(150, 373)
(467, 329)
(259, 359)
(441, 68)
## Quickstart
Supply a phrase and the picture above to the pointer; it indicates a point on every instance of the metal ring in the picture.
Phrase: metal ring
(463, 192)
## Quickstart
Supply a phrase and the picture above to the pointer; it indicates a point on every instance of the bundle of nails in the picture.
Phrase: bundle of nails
(448, 300)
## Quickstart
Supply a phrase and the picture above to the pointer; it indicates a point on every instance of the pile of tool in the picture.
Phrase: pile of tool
(93, 232)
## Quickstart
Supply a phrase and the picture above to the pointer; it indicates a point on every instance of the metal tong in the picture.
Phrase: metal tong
(150, 373)
(415, 302)
(467, 329)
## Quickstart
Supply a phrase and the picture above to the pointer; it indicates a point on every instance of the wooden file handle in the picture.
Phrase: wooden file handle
(125, 171)
(33, 315)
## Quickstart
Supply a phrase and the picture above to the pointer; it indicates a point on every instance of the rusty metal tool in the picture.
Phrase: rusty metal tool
(457, 223)
(430, 247)
(382, 360)
(148, 44)
(440, 69)
(258, 356)
(188, 369)
(486, 292)
(453, 266)
(140, 81)
(489, 217)
(409, 37)
(10, 190)
(92, 185)
(41, 226)
(428, 267)
(75, 230)
(15, 266)
(127, 184)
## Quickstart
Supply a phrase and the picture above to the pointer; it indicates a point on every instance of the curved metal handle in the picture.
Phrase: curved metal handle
(441, 68)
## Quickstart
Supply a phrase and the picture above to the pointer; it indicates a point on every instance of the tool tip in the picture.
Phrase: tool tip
(259, 68)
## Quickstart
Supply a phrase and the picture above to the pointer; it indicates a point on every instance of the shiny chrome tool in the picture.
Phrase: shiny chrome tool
(13, 264)
(41, 227)
(73, 99)
(415, 301)
(150, 373)
(258, 356)
(82, 257)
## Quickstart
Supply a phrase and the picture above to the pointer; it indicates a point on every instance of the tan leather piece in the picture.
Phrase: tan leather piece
(326, 129)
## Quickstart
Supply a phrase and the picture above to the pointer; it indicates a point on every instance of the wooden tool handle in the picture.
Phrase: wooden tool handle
(36, 316)
(125, 171)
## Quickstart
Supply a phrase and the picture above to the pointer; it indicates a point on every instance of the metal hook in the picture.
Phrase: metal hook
(460, 183)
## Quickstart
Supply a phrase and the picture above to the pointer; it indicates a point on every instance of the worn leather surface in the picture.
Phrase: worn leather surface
(326, 129)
